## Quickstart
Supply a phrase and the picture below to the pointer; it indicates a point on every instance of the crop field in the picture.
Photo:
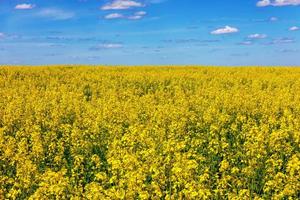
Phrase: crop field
(83, 132)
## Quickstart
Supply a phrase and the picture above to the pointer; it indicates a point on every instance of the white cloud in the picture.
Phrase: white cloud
(257, 36)
(294, 28)
(273, 19)
(114, 16)
(282, 41)
(138, 15)
(111, 46)
(264, 3)
(56, 14)
(24, 6)
(121, 5)
(2, 35)
(289, 50)
(225, 30)
(135, 17)
(245, 43)
(107, 46)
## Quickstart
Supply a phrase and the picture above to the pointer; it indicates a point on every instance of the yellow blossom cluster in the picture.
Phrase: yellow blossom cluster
(80, 132)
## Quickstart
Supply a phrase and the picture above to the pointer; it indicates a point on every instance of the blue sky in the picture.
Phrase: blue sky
(150, 32)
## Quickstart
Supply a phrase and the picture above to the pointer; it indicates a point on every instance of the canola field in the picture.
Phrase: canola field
(149, 133)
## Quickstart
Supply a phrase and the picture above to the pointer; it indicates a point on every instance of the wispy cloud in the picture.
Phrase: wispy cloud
(251, 39)
(71, 38)
(239, 54)
(121, 5)
(245, 43)
(273, 19)
(141, 13)
(107, 46)
(264, 3)
(24, 6)
(190, 41)
(225, 30)
(289, 50)
(294, 28)
(135, 16)
(257, 36)
(56, 14)
(138, 15)
(2, 35)
(284, 40)
(114, 16)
